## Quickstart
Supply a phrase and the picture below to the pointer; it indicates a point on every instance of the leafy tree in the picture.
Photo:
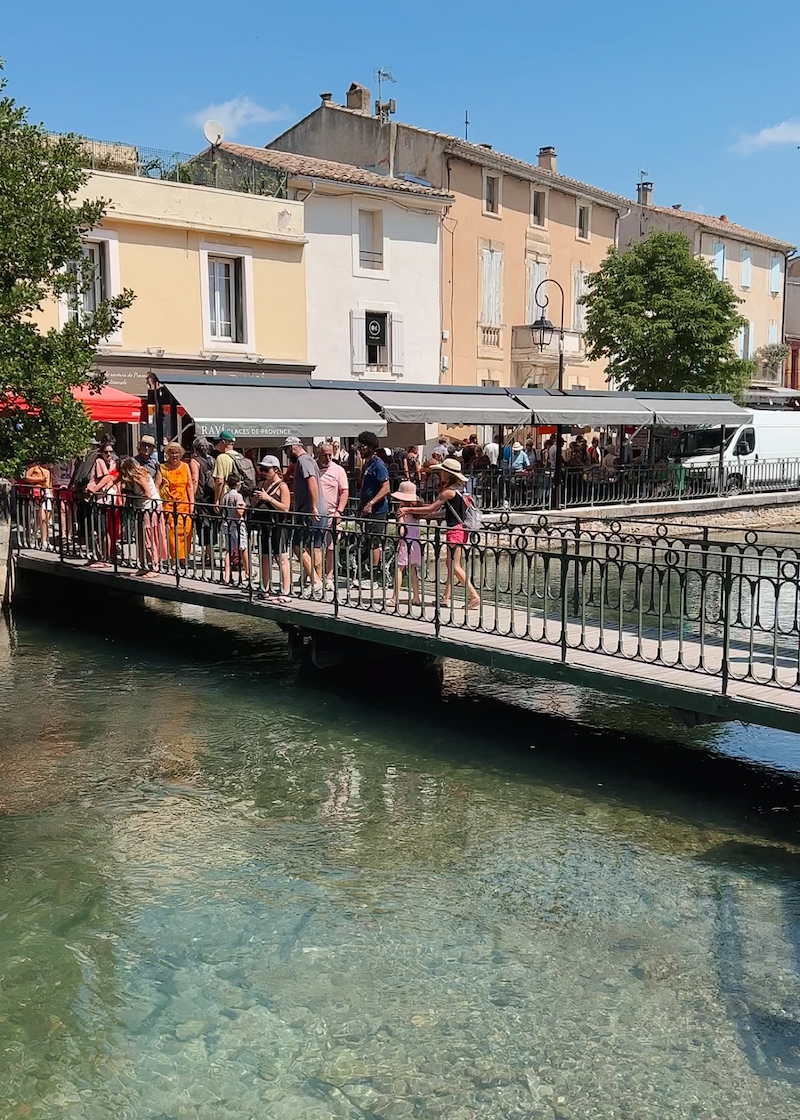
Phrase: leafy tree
(772, 358)
(664, 321)
(41, 229)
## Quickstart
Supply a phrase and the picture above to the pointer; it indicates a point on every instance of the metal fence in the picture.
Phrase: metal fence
(211, 168)
(707, 603)
(531, 490)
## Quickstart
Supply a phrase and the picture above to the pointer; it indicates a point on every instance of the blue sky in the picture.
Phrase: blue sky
(704, 95)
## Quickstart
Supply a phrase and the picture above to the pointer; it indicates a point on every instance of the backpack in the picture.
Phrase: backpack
(82, 474)
(472, 515)
(243, 476)
(205, 478)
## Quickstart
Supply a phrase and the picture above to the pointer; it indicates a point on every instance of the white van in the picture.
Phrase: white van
(764, 452)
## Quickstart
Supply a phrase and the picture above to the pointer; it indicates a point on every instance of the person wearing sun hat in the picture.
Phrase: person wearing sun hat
(453, 505)
(409, 548)
(519, 457)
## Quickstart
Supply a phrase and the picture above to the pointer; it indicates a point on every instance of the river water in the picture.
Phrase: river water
(235, 889)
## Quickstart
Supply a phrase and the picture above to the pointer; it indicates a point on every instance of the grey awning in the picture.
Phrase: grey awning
(448, 407)
(600, 411)
(252, 411)
(677, 411)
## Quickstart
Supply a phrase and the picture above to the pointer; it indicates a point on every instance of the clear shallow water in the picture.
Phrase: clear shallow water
(232, 889)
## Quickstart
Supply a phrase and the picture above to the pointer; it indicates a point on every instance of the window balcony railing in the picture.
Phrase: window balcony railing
(491, 337)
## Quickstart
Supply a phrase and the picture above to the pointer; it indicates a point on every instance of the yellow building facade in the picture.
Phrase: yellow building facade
(218, 275)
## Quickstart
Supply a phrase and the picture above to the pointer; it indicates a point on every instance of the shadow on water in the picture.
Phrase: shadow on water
(679, 775)
(769, 1030)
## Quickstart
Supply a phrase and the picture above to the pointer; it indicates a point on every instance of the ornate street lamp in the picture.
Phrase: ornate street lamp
(542, 332)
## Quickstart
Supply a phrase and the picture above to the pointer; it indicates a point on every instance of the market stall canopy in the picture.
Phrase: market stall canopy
(440, 406)
(601, 410)
(110, 405)
(681, 409)
(253, 409)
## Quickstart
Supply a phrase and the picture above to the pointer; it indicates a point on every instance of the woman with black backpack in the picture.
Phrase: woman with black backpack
(201, 468)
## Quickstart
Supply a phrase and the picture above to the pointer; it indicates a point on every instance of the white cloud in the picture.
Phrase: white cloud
(787, 132)
(236, 114)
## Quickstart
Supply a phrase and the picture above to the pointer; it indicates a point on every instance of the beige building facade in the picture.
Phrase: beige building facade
(754, 264)
(218, 275)
(511, 224)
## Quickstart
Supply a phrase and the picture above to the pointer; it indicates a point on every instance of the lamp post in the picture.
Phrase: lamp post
(542, 332)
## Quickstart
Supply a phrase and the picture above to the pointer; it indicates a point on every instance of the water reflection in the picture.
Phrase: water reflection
(233, 890)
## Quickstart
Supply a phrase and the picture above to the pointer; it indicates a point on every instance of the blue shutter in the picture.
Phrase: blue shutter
(747, 268)
(773, 334)
(719, 260)
(775, 275)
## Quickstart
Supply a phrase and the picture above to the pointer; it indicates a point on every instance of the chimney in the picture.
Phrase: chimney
(644, 194)
(325, 97)
(547, 158)
(359, 98)
(723, 217)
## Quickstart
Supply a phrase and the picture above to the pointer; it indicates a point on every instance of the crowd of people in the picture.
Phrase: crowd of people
(208, 499)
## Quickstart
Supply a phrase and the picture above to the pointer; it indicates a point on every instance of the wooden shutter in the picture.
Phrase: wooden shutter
(497, 290)
(775, 275)
(237, 326)
(719, 260)
(751, 339)
(487, 272)
(358, 340)
(578, 289)
(747, 268)
(773, 334)
(397, 355)
(537, 271)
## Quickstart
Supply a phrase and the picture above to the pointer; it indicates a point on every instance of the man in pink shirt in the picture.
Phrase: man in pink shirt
(336, 490)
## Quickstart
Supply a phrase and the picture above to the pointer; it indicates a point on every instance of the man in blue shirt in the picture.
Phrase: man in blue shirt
(373, 501)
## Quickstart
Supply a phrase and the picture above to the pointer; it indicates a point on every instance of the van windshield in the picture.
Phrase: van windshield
(701, 441)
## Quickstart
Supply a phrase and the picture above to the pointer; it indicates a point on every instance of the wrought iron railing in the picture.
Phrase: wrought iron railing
(531, 490)
(708, 603)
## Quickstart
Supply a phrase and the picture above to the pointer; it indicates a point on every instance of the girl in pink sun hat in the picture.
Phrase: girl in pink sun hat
(409, 549)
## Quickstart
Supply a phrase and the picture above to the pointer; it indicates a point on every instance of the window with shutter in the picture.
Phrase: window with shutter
(772, 338)
(747, 268)
(578, 290)
(719, 260)
(397, 343)
(537, 272)
(775, 275)
(740, 342)
(358, 340)
(751, 339)
(491, 290)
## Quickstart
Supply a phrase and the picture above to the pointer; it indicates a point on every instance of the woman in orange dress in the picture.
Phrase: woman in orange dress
(177, 492)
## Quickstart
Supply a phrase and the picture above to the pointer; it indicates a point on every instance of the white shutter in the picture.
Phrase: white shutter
(775, 275)
(491, 287)
(397, 356)
(537, 271)
(747, 268)
(578, 289)
(498, 288)
(751, 339)
(719, 260)
(773, 333)
(740, 342)
(358, 340)
(486, 285)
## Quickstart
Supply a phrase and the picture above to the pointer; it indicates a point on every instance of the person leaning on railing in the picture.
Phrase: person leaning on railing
(143, 499)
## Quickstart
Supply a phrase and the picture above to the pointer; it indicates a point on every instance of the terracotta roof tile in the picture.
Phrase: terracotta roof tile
(310, 167)
(720, 225)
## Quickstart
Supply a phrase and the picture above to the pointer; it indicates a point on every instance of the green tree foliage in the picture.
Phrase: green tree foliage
(663, 321)
(41, 229)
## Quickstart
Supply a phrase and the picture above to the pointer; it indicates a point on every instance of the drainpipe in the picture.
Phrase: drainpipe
(618, 219)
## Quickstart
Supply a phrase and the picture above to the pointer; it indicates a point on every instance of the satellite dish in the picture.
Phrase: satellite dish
(213, 132)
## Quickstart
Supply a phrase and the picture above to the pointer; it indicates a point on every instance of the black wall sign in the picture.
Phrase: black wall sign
(376, 329)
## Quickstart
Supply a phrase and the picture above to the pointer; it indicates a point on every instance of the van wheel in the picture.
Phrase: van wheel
(735, 484)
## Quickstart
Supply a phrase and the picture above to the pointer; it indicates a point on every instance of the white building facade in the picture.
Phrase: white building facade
(373, 269)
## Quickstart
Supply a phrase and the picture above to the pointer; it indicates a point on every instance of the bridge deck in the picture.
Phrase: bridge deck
(638, 666)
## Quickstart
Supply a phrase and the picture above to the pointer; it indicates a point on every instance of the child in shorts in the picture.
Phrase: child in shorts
(233, 534)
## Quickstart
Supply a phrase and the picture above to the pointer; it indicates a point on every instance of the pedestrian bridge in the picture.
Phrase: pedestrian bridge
(707, 622)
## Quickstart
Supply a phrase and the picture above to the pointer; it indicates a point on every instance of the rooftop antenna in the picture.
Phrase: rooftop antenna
(384, 109)
(466, 124)
(644, 175)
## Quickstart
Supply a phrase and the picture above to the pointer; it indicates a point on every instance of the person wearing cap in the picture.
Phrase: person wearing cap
(453, 505)
(271, 505)
(223, 465)
(310, 513)
(336, 488)
(147, 457)
(409, 548)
